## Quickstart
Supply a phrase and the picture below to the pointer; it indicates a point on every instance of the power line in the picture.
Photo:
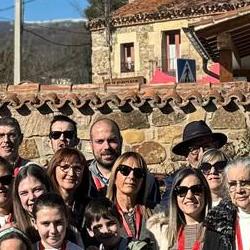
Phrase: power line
(13, 6)
(53, 42)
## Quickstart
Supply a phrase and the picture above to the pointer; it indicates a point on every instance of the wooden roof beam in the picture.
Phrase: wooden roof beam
(224, 45)
(225, 26)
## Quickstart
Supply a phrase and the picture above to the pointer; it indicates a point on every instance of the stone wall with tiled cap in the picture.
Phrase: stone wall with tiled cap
(151, 117)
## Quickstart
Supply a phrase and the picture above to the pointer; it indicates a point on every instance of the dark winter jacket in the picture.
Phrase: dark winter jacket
(220, 227)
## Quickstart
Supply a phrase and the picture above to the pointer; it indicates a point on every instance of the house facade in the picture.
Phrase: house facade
(147, 35)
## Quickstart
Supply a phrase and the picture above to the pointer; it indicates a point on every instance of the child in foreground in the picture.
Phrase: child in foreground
(15, 239)
(102, 221)
(50, 220)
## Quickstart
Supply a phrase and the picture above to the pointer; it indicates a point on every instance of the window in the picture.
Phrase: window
(171, 50)
(127, 57)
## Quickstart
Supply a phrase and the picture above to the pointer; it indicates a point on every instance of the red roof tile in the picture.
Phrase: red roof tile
(144, 11)
(152, 6)
(55, 97)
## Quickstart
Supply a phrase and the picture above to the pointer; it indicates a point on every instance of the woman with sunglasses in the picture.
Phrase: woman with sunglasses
(181, 228)
(128, 190)
(6, 179)
(228, 224)
(70, 178)
(29, 184)
(212, 165)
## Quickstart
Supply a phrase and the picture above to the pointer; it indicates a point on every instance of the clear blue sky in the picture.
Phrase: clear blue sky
(40, 10)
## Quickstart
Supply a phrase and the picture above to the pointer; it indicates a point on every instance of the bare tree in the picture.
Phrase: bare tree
(108, 34)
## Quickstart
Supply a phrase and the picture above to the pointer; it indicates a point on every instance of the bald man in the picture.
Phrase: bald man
(106, 143)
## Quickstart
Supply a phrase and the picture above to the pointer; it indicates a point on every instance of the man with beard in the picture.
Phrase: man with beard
(63, 133)
(106, 143)
(10, 140)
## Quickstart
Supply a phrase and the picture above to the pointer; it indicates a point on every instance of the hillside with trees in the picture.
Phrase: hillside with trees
(53, 52)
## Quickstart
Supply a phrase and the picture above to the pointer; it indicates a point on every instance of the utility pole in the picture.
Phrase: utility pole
(17, 41)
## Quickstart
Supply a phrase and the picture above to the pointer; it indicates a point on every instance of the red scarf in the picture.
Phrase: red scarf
(99, 185)
(138, 222)
(238, 235)
(17, 166)
(181, 241)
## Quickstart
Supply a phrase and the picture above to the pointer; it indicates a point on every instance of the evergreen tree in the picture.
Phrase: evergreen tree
(96, 7)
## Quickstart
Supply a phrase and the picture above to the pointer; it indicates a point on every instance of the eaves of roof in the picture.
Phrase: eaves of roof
(203, 34)
(201, 24)
(91, 97)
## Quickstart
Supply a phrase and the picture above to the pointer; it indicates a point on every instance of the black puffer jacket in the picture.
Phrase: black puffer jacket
(220, 227)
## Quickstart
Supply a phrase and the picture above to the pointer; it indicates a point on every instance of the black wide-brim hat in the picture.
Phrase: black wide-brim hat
(193, 132)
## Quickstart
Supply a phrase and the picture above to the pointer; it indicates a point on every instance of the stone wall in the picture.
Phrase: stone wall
(151, 118)
(147, 39)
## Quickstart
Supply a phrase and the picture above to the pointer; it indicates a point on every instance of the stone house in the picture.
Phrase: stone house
(149, 35)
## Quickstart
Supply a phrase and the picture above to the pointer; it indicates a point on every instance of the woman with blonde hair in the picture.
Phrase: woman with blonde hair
(182, 227)
(128, 190)
(212, 165)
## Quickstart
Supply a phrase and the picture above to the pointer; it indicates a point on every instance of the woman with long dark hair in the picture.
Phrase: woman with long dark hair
(30, 183)
(181, 227)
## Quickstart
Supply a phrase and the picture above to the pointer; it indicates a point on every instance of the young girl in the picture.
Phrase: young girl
(30, 183)
(50, 220)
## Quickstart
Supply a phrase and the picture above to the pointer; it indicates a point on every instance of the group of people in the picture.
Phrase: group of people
(113, 202)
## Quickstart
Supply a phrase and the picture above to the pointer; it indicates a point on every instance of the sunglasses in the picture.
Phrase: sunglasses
(182, 190)
(68, 134)
(125, 170)
(219, 167)
(6, 180)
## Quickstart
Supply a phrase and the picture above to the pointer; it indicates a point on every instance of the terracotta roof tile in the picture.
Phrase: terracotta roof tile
(24, 86)
(179, 96)
(144, 11)
(152, 6)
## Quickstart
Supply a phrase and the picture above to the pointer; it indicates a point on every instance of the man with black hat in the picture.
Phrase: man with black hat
(197, 138)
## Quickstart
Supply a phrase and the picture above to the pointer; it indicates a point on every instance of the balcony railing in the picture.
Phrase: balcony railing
(127, 67)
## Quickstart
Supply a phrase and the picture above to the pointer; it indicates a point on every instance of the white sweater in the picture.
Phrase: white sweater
(158, 226)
